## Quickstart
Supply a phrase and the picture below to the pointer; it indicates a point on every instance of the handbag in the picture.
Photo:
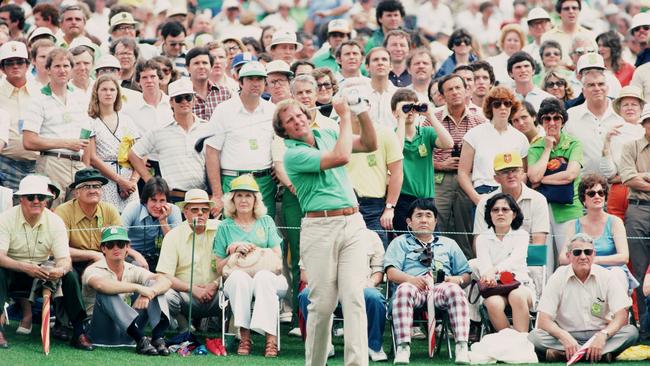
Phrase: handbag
(485, 291)
(562, 193)
(252, 262)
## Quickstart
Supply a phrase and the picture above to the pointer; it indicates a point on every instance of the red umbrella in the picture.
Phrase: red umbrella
(45, 321)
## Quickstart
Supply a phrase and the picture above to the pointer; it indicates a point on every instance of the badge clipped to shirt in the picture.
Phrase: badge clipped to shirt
(596, 309)
(158, 241)
(372, 160)
(422, 150)
(438, 177)
(252, 143)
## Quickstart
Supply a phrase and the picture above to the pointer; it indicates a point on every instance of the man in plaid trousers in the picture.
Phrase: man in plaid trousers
(412, 261)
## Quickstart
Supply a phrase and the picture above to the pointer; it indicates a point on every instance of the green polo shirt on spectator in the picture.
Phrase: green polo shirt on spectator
(570, 149)
(317, 189)
(418, 163)
(326, 59)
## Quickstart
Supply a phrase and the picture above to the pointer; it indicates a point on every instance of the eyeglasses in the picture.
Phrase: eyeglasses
(496, 210)
(277, 82)
(111, 244)
(578, 252)
(570, 8)
(124, 27)
(31, 197)
(88, 187)
(592, 194)
(327, 86)
(581, 51)
(549, 54)
(644, 27)
(125, 54)
(555, 118)
(466, 40)
(184, 97)
(14, 62)
(420, 108)
(555, 84)
(197, 210)
(337, 35)
(501, 102)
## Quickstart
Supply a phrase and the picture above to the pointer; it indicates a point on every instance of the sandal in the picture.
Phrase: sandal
(244, 348)
(271, 349)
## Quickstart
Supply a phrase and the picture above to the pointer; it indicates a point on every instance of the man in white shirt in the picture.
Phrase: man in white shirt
(281, 19)
(434, 16)
(569, 28)
(378, 64)
(242, 142)
(521, 67)
(350, 57)
(591, 121)
(539, 22)
(583, 302)
(284, 46)
(421, 67)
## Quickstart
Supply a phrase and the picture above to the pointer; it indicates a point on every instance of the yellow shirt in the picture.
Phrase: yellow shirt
(14, 101)
(36, 244)
(132, 274)
(86, 233)
(176, 253)
(368, 171)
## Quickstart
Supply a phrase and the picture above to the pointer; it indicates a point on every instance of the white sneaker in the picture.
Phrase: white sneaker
(286, 317)
(417, 333)
(462, 353)
(377, 356)
(331, 353)
(402, 355)
(295, 332)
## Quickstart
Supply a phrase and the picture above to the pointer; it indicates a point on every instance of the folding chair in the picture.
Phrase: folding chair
(537, 259)
(226, 312)
(420, 316)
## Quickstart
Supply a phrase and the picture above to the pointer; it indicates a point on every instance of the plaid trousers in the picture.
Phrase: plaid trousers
(446, 295)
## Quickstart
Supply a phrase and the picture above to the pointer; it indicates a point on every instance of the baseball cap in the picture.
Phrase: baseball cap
(114, 233)
(284, 37)
(590, 60)
(107, 61)
(41, 32)
(507, 160)
(82, 41)
(242, 58)
(13, 49)
(339, 25)
(180, 87)
(121, 18)
(278, 66)
(227, 4)
(252, 68)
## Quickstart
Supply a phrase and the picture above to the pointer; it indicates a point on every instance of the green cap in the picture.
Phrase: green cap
(114, 233)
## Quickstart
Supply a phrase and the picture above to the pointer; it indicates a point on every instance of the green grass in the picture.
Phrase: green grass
(27, 350)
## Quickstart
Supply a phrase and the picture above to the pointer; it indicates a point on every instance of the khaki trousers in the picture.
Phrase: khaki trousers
(61, 172)
(334, 256)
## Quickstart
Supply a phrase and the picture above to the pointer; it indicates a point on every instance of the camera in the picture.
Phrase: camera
(440, 276)
(455, 151)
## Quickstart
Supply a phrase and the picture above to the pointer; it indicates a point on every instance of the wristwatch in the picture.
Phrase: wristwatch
(390, 205)
(605, 332)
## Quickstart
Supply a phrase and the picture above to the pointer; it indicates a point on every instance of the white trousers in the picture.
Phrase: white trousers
(266, 288)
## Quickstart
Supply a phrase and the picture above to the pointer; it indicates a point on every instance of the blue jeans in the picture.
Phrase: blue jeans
(375, 312)
(371, 209)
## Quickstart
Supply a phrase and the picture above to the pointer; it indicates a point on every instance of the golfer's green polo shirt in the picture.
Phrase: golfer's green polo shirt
(317, 189)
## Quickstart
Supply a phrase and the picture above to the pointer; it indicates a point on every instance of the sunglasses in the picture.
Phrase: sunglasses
(184, 97)
(581, 51)
(592, 194)
(578, 252)
(498, 103)
(111, 244)
(463, 40)
(644, 27)
(556, 118)
(549, 54)
(14, 62)
(420, 108)
(555, 84)
(337, 35)
(90, 186)
(327, 86)
(166, 70)
(496, 210)
(197, 210)
(567, 8)
(31, 197)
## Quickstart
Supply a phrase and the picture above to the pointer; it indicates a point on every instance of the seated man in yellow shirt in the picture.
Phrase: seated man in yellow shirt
(29, 235)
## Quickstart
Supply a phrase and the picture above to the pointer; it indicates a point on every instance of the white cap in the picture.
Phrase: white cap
(82, 41)
(227, 4)
(639, 20)
(161, 6)
(122, 18)
(40, 32)
(180, 87)
(177, 10)
(33, 184)
(590, 60)
(252, 68)
(339, 25)
(281, 37)
(278, 66)
(645, 115)
(13, 49)
(285, 3)
(537, 13)
(611, 9)
(107, 61)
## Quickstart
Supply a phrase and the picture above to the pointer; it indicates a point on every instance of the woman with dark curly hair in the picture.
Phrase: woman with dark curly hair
(460, 42)
(483, 142)
(565, 155)
(610, 47)
(503, 248)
